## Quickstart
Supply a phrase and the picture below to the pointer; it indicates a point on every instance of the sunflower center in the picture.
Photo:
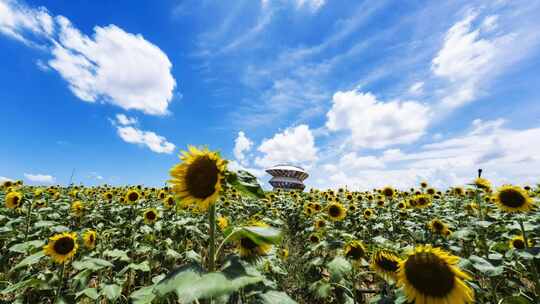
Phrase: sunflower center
(429, 274)
(512, 198)
(151, 216)
(133, 196)
(321, 224)
(201, 177)
(438, 225)
(334, 211)
(388, 192)
(91, 238)
(15, 200)
(64, 245)
(355, 252)
(518, 244)
(247, 243)
(314, 239)
(388, 264)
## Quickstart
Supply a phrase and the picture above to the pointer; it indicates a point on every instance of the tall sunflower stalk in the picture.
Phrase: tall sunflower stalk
(534, 271)
(28, 215)
(197, 181)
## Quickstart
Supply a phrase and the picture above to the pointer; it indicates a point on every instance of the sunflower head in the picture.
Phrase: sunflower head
(150, 216)
(368, 213)
(431, 191)
(402, 205)
(437, 226)
(336, 211)
(388, 191)
(132, 196)
(77, 208)
(423, 184)
(89, 239)
(431, 275)
(61, 247)
(319, 224)
(14, 199)
(314, 238)
(249, 248)
(354, 250)
(421, 201)
(108, 196)
(513, 199)
(197, 179)
(518, 242)
(169, 202)
(385, 264)
(482, 183)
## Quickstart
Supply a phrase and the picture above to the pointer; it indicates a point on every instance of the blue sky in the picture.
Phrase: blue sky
(361, 93)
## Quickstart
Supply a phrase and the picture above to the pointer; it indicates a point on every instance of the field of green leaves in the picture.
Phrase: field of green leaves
(213, 236)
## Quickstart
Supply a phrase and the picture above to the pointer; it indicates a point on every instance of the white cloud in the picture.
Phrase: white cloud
(294, 145)
(112, 66)
(506, 155)
(312, 5)
(5, 179)
(126, 120)
(153, 141)
(417, 88)
(377, 124)
(241, 144)
(40, 178)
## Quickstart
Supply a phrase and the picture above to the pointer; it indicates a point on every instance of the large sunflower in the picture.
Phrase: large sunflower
(421, 201)
(431, 276)
(513, 199)
(13, 200)
(437, 226)
(336, 211)
(197, 180)
(518, 242)
(385, 264)
(150, 216)
(89, 238)
(388, 191)
(354, 250)
(61, 247)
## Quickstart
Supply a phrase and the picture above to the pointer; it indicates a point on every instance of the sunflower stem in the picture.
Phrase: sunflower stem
(60, 283)
(531, 264)
(212, 231)
(27, 222)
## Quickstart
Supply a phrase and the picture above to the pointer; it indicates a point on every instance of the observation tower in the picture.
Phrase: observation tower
(287, 177)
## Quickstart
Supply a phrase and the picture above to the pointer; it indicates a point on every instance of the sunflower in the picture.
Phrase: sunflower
(222, 222)
(437, 226)
(402, 205)
(169, 202)
(368, 213)
(380, 203)
(150, 216)
(320, 224)
(431, 191)
(513, 199)
(89, 238)
(13, 200)
(108, 196)
(317, 207)
(7, 184)
(421, 201)
(197, 180)
(354, 250)
(77, 208)
(518, 242)
(132, 196)
(249, 248)
(314, 238)
(385, 264)
(482, 183)
(284, 253)
(423, 184)
(388, 191)
(431, 276)
(40, 204)
(61, 247)
(336, 211)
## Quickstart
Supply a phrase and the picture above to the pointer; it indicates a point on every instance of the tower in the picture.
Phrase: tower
(287, 177)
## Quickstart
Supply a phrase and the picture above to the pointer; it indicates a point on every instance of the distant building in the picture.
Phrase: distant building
(287, 177)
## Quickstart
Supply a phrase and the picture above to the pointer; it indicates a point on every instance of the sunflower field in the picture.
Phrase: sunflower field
(214, 236)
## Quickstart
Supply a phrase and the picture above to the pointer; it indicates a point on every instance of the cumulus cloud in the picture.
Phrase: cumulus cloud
(507, 156)
(112, 66)
(241, 144)
(40, 178)
(294, 145)
(376, 124)
(131, 134)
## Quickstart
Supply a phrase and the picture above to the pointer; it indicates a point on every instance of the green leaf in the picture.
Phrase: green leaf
(26, 246)
(117, 254)
(112, 291)
(338, 267)
(171, 253)
(516, 300)
(30, 260)
(92, 264)
(89, 292)
(485, 267)
(42, 224)
(23, 285)
(272, 297)
(321, 289)
(178, 277)
(143, 295)
(143, 266)
(259, 235)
